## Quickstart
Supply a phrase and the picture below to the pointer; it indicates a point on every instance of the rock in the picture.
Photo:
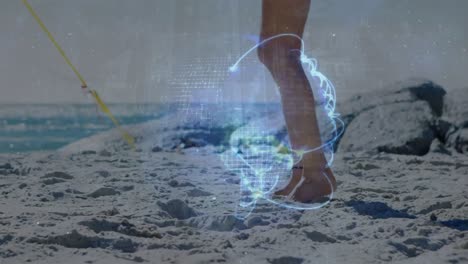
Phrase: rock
(177, 209)
(411, 90)
(22, 185)
(439, 147)
(443, 129)
(456, 107)
(459, 140)
(381, 115)
(399, 128)
(430, 92)
(319, 237)
(104, 191)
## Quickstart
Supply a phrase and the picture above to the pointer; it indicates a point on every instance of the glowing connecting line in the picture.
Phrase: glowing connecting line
(259, 157)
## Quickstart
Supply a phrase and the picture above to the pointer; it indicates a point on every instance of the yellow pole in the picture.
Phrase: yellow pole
(104, 108)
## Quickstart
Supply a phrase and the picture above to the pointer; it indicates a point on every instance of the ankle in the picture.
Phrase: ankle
(314, 161)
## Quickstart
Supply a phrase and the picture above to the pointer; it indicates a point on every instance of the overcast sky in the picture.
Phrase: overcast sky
(151, 50)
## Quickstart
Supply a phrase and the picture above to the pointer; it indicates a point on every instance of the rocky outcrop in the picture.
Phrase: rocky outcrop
(406, 118)
(399, 128)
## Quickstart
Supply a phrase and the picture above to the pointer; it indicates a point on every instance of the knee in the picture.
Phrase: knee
(284, 50)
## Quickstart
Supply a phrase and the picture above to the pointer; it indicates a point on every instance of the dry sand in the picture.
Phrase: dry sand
(96, 201)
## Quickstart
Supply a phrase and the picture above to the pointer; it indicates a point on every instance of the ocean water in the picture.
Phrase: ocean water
(42, 127)
(29, 127)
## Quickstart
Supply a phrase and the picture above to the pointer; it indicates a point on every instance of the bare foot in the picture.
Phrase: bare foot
(312, 182)
(295, 179)
(315, 185)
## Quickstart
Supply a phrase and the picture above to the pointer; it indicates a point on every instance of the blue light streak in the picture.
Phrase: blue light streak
(259, 180)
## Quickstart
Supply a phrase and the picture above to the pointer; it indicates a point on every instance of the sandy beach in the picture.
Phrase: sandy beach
(401, 167)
